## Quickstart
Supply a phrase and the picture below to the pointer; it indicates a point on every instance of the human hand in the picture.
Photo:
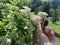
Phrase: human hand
(48, 36)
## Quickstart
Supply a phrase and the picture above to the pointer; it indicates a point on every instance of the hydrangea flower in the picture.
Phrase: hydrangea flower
(43, 15)
(5, 41)
(25, 10)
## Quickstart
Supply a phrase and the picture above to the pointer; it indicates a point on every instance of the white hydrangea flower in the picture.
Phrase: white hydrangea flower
(43, 15)
(25, 27)
(5, 41)
(22, 10)
(35, 18)
(25, 10)
(8, 41)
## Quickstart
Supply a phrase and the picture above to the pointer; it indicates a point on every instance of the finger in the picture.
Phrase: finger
(51, 35)
(39, 26)
(46, 30)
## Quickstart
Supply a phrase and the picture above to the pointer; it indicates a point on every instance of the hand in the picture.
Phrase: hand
(48, 37)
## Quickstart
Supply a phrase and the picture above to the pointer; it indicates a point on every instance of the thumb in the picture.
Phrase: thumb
(39, 26)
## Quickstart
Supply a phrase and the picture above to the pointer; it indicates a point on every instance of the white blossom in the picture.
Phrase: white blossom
(25, 10)
(43, 15)
(35, 18)
(5, 41)
(25, 27)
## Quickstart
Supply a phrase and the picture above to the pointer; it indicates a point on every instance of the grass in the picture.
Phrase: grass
(56, 27)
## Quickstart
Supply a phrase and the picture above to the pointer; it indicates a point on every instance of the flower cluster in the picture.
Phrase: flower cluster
(43, 15)
(25, 9)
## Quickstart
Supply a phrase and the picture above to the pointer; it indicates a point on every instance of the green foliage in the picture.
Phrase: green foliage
(13, 23)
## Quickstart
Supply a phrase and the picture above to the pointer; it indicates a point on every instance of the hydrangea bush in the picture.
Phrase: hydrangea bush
(17, 25)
